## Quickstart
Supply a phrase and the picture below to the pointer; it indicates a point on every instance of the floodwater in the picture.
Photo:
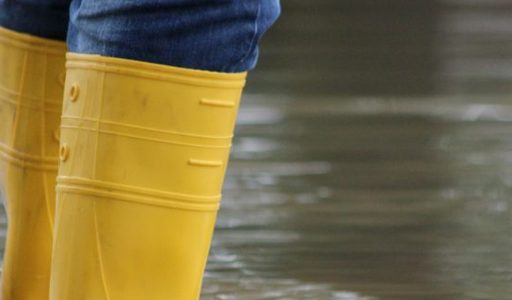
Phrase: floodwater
(367, 199)
(373, 157)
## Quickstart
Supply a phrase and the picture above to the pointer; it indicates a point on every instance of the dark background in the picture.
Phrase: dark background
(388, 47)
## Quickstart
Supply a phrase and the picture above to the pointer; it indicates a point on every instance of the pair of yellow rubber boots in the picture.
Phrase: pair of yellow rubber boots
(136, 153)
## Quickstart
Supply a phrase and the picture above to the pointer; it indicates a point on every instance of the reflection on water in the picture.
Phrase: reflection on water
(367, 199)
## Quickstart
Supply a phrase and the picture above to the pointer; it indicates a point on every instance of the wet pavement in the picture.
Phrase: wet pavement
(373, 161)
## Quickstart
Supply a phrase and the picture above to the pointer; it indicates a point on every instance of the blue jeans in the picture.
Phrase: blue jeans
(216, 35)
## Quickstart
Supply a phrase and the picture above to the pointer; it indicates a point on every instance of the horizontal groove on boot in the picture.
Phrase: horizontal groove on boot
(31, 43)
(25, 156)
(33, 103)
(138, 195)
(39, 166)
(156, 72)
(146, 133)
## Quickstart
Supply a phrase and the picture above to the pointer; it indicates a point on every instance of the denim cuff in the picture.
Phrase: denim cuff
(46, 21)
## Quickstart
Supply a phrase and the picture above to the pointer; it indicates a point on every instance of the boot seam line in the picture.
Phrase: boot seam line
(136, 199)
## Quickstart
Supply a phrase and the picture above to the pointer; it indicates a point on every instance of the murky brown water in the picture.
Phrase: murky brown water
(373, 162)
(385, 170)
(367, 199)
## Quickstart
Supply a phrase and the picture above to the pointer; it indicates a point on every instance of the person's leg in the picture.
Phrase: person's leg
(31, 86)
(145, 139)
(41, 18)
(215, 35)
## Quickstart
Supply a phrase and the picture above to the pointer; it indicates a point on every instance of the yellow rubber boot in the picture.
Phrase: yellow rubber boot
(31, 86)
(144, 149)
